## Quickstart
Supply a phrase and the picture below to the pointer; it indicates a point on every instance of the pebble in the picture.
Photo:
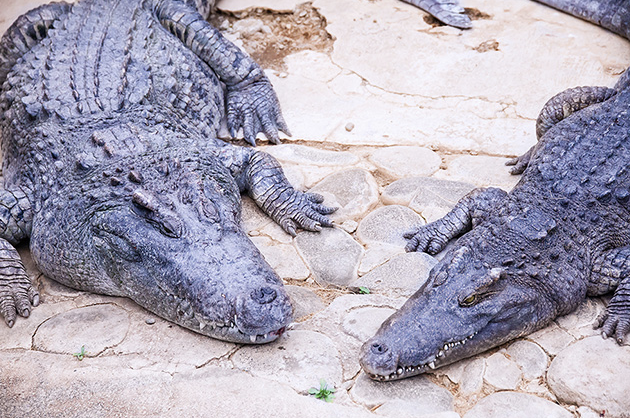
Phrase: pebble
(530, 357)
(150, 321)
(299, 359)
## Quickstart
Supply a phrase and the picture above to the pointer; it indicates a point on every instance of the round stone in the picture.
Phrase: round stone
(406, 161)
(354, 192)
(305, 301)
(501, 372)
(516, 405)
(403, 274)
(95, 327)
(593, 372)
(299, 359)
(387, 225)
(332, 255)
(362, 323)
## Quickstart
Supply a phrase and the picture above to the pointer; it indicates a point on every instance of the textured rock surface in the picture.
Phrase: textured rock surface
(332, 255)
(516, 405)
(406, 161)
(420, 393)
(451, 99)
(354, 192)
(403, 274)
(501, 372)
(581, 375)
(95, 327)
(386, 225)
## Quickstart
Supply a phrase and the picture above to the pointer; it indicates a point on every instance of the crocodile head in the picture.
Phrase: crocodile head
(487, 290)
(168, 236)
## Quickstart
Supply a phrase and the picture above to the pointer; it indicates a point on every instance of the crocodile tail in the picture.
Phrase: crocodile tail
(613, 15)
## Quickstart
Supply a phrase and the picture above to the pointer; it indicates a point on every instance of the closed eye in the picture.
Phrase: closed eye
(168, 226)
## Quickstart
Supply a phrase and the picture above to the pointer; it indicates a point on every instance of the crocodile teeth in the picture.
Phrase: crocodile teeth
(202, 323)
(432, 365)
(265, 336)
(252, 338)
(399, 371)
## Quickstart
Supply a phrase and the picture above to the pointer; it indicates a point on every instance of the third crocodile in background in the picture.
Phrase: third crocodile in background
(528, 256)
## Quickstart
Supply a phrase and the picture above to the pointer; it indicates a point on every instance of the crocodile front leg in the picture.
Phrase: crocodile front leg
(262, 177)
(616, 320)
(611, 271)
(470, 211)
(251, 102)
(17, 294)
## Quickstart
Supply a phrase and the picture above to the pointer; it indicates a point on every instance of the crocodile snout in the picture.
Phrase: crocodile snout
(264, 295)
(377, 358)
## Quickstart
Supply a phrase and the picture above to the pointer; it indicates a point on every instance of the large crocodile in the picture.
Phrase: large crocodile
(529, 255)
(109, 118)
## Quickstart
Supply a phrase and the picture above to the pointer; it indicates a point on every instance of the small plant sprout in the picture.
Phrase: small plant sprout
(324, 392)
(81, 354)
(364, 290)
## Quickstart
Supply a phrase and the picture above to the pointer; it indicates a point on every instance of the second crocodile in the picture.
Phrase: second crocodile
(533, 254)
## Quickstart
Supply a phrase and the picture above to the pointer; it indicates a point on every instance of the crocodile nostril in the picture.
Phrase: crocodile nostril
(264, 295)
(378, 348)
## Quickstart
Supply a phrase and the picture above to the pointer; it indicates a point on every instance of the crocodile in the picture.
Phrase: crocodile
(114, 173)
(605, 13)
(525, 257)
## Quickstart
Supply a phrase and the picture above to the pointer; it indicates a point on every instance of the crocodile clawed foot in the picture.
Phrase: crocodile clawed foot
(17, 297)
(614, 325)
(425, 238)
(255, 109)
(304, 211)
(519, 163)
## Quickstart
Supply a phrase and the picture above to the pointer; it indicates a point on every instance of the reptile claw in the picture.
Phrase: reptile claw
(256, 109)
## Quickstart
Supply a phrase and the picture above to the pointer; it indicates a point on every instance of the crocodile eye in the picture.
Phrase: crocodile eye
(169, 226)
(468, 300)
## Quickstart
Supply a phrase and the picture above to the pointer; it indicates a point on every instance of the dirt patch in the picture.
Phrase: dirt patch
(491, 45)
(471, 12)
(269, 35)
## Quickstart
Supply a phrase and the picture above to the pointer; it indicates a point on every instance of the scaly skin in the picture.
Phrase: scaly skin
(109, 114)
(527, 256)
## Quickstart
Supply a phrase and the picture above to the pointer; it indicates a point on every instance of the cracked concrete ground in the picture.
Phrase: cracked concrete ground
(393, 120)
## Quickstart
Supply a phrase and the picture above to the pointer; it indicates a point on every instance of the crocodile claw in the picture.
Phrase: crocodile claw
(17, 296)
(255, 109)
(520, 163)
(425, 238)
(304, 211)
(615, 325)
